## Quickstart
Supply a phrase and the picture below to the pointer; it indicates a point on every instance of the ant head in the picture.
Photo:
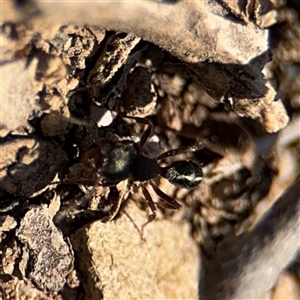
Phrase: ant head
(184, 173)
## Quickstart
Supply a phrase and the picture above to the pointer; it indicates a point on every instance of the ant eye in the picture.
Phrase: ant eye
(185, 174)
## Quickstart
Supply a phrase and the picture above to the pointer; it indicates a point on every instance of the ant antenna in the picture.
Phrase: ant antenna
(146, 133)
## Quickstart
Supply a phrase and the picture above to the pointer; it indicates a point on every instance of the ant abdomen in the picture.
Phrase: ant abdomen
(184, 173)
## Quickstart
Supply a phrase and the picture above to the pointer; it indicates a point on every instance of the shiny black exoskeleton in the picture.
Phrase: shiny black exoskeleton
(117, 161)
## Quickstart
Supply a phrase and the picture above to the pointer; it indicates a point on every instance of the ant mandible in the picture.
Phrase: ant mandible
(117, 161)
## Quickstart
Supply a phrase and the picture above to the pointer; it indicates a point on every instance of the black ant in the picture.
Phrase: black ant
(115, 161)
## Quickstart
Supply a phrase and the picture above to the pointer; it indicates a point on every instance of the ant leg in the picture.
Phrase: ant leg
(146, 133)
(151, 205)
(179, 151)
(86, 182)
(134, 225)
(170, 203)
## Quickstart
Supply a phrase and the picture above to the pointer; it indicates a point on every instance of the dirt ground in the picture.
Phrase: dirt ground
(71, 230)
